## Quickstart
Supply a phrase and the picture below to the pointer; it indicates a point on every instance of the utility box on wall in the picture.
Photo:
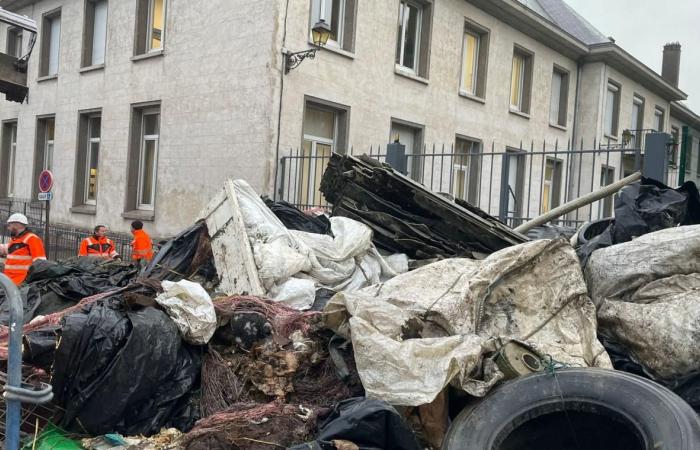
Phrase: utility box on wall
(396, 157)
(656, 150)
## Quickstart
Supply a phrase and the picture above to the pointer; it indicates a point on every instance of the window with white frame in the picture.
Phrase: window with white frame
(551, 187)
(559, 99)
(411, 136)
(50, 130)
(150, 26)
(148, 158)
(319, 143)
(637, 122)
(44, 150)
(340, 16)
(409, 35)
(466, 170)
(513, 186)
(95, 33)
(14, 42)
(612, 109)
(50, 44)
(92, 158)
(8, 159)
(659, 119)
(521, 81)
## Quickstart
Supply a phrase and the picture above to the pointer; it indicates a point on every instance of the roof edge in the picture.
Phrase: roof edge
(630, 66)
(685, 114)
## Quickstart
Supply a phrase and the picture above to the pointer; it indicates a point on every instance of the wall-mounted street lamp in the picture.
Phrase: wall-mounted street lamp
(320, 34)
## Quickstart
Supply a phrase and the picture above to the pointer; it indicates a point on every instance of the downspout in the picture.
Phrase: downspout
(279, 113)
(579, 68)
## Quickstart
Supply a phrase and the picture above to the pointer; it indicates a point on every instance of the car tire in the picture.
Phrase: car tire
(578, 408)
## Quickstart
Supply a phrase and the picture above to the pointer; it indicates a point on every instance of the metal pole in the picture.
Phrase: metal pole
(14, 365)
(578, 203)
(46, 227)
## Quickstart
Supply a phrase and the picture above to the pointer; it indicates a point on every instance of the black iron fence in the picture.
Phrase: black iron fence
(513, 183)
(34, 210)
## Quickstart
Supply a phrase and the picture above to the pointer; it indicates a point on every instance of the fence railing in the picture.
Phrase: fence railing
(34, 210)
(514, 184)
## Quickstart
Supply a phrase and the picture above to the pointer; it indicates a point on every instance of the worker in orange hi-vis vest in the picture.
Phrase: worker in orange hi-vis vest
(142, 245)
(98, 245)
(22, 251)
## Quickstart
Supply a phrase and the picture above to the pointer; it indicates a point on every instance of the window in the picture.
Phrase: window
(143, 157)
(637, 120)
(688, 153)
(411, 136)
(50, 44)
(340, 15)
(673, 154)
(612, 109)
(44, 150)
(521, 81)
(512, 186)
(150, 26)
(559, 100)
(412, 46)
(95, 33)
(14, 42)
(320, 134)
(466, 165)
(551, 187)
(659, 119)
(87, 158)
(8, 159)
(607, 177)
(475, 48)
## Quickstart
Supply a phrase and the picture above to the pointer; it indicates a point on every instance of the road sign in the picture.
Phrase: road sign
(45, 196)
(45, 181)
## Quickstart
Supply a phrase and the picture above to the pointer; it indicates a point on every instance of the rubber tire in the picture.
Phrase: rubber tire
(589, 230)
(661, 417)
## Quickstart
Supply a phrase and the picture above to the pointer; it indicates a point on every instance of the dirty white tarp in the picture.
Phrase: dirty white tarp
(188, 304)
(648, 297)
(414, 334)
(291, 264)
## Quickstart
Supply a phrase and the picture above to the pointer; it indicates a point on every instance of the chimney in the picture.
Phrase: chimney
(671, 67)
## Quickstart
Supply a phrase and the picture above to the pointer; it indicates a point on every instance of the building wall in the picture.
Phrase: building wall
(692, 171)
(216, 82)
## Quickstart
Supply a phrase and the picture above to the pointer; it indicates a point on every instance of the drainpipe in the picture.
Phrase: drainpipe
(279, 113)
(579, 68)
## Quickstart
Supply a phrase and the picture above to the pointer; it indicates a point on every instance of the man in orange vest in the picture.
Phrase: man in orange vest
(141, 246)
(23, 250)
(98, 245)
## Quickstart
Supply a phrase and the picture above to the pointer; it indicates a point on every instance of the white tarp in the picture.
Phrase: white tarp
(414, 334)
(291, 265)
(188, 304)
(648, 297)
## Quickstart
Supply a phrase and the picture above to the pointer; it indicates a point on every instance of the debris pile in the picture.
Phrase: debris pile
(262, 326)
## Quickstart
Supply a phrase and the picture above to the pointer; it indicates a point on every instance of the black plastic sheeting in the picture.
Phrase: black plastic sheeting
(295, 219)
(408, 218)
(369, 424)
(125, 371)
(54, 286)
(687, 387)
(642, 208)
(187, 255)
(551, 232)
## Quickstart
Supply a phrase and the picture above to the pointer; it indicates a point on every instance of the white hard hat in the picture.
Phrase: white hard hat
(18, 218)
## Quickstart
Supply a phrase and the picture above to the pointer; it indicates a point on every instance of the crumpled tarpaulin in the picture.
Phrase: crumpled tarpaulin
(295, 219)
(648, 297)
(416, 333)
(408, 218)
(645, 207)
(188, 304)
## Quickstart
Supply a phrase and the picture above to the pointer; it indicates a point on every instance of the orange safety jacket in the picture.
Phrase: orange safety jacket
(22, 251)
(101, 247)
(141, 246)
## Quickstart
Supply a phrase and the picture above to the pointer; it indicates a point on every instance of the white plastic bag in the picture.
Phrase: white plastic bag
(191, 308)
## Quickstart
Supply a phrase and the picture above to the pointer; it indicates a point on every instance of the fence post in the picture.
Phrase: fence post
(656, 156)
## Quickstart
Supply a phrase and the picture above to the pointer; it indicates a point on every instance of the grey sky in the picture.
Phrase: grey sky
(642, 27)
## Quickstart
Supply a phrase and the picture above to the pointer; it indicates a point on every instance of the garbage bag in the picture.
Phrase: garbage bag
(367, 423)
(422, 330)
(119, 370)
(52, 438)
(648, 297)
(295, 219)
(645, 207)
(39, 346)
(191, 308)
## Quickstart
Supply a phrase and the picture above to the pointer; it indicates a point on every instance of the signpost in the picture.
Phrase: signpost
(45, 195)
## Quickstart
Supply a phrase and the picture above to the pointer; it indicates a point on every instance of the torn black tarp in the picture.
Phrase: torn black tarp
(185, 256)
(295, 219)
(123, 370)
(642, 208)
(408, 218)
